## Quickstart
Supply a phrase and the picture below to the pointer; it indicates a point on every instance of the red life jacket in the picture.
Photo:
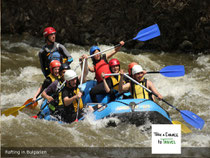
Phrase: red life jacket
(100, 67)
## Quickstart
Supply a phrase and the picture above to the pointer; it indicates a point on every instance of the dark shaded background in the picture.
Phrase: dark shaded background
(184, 24)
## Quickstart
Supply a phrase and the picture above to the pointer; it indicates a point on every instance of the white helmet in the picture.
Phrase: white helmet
(69, 75)
(136, 69)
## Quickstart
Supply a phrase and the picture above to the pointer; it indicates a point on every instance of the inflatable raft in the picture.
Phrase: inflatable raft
(135, 111)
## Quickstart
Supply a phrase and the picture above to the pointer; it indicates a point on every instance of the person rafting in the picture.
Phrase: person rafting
(109, 85)
(54, 74)
(71, 93)
(52, 51)
(137, 92)
(100, 63)
(53, 94)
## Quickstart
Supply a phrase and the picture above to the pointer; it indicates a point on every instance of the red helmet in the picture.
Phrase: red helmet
(114, 62)
(53, 64)
(130, 66)
(48, 31)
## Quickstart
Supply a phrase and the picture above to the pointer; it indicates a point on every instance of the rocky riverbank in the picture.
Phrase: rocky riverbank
(184, 24)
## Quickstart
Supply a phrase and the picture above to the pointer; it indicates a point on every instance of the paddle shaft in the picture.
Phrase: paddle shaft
(28, 104)
(109, 48)
(13, 110)
(59, 89)
(151, 72)
(95, 55)
(148, 90)
(168, 71)
(32, 102)
(82, 76)
(188, 116)
(102, 52)
(143, 35)
(115, 74)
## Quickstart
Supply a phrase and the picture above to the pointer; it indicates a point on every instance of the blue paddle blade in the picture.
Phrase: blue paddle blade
(193, 119)
(173, 71)
(148, 33)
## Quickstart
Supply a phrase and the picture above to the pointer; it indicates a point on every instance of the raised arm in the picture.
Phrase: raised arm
(91, 68)
(123, 87)
(110, 54)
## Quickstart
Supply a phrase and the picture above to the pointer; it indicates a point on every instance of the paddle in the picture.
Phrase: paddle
(32, 106)
(83, 68)
(53, 95)
(143, 35)
(191, 118)
(184, 128)
(168, 71)
(14, 110)
(171, 71)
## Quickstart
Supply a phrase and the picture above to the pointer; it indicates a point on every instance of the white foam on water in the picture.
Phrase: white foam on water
(197, 139)
(4, 57)
(17, 99)
(25, 79)
(90, 120)
(204, 60)
(27, 74)
(190, 92)
(7, 118)
(10, 45)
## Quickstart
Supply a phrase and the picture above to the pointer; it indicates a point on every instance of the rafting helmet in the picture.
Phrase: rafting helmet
(136, 69)
(48, 31)
(53, 64)
(64, 66)
(70, 74)
(130, 66)
(93, 49)
(114, 62)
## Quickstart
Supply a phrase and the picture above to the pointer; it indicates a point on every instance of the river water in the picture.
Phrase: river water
(21, 76)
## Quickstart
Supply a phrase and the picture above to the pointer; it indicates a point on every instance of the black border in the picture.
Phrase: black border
(101, 152)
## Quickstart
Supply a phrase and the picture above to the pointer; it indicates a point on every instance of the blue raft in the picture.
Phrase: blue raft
(134, 111)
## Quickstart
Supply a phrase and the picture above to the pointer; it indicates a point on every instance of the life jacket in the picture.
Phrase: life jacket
(75, 102)
(54, 54)
(115, 82)
(100, 67)
(53, 78)
(138, 92)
